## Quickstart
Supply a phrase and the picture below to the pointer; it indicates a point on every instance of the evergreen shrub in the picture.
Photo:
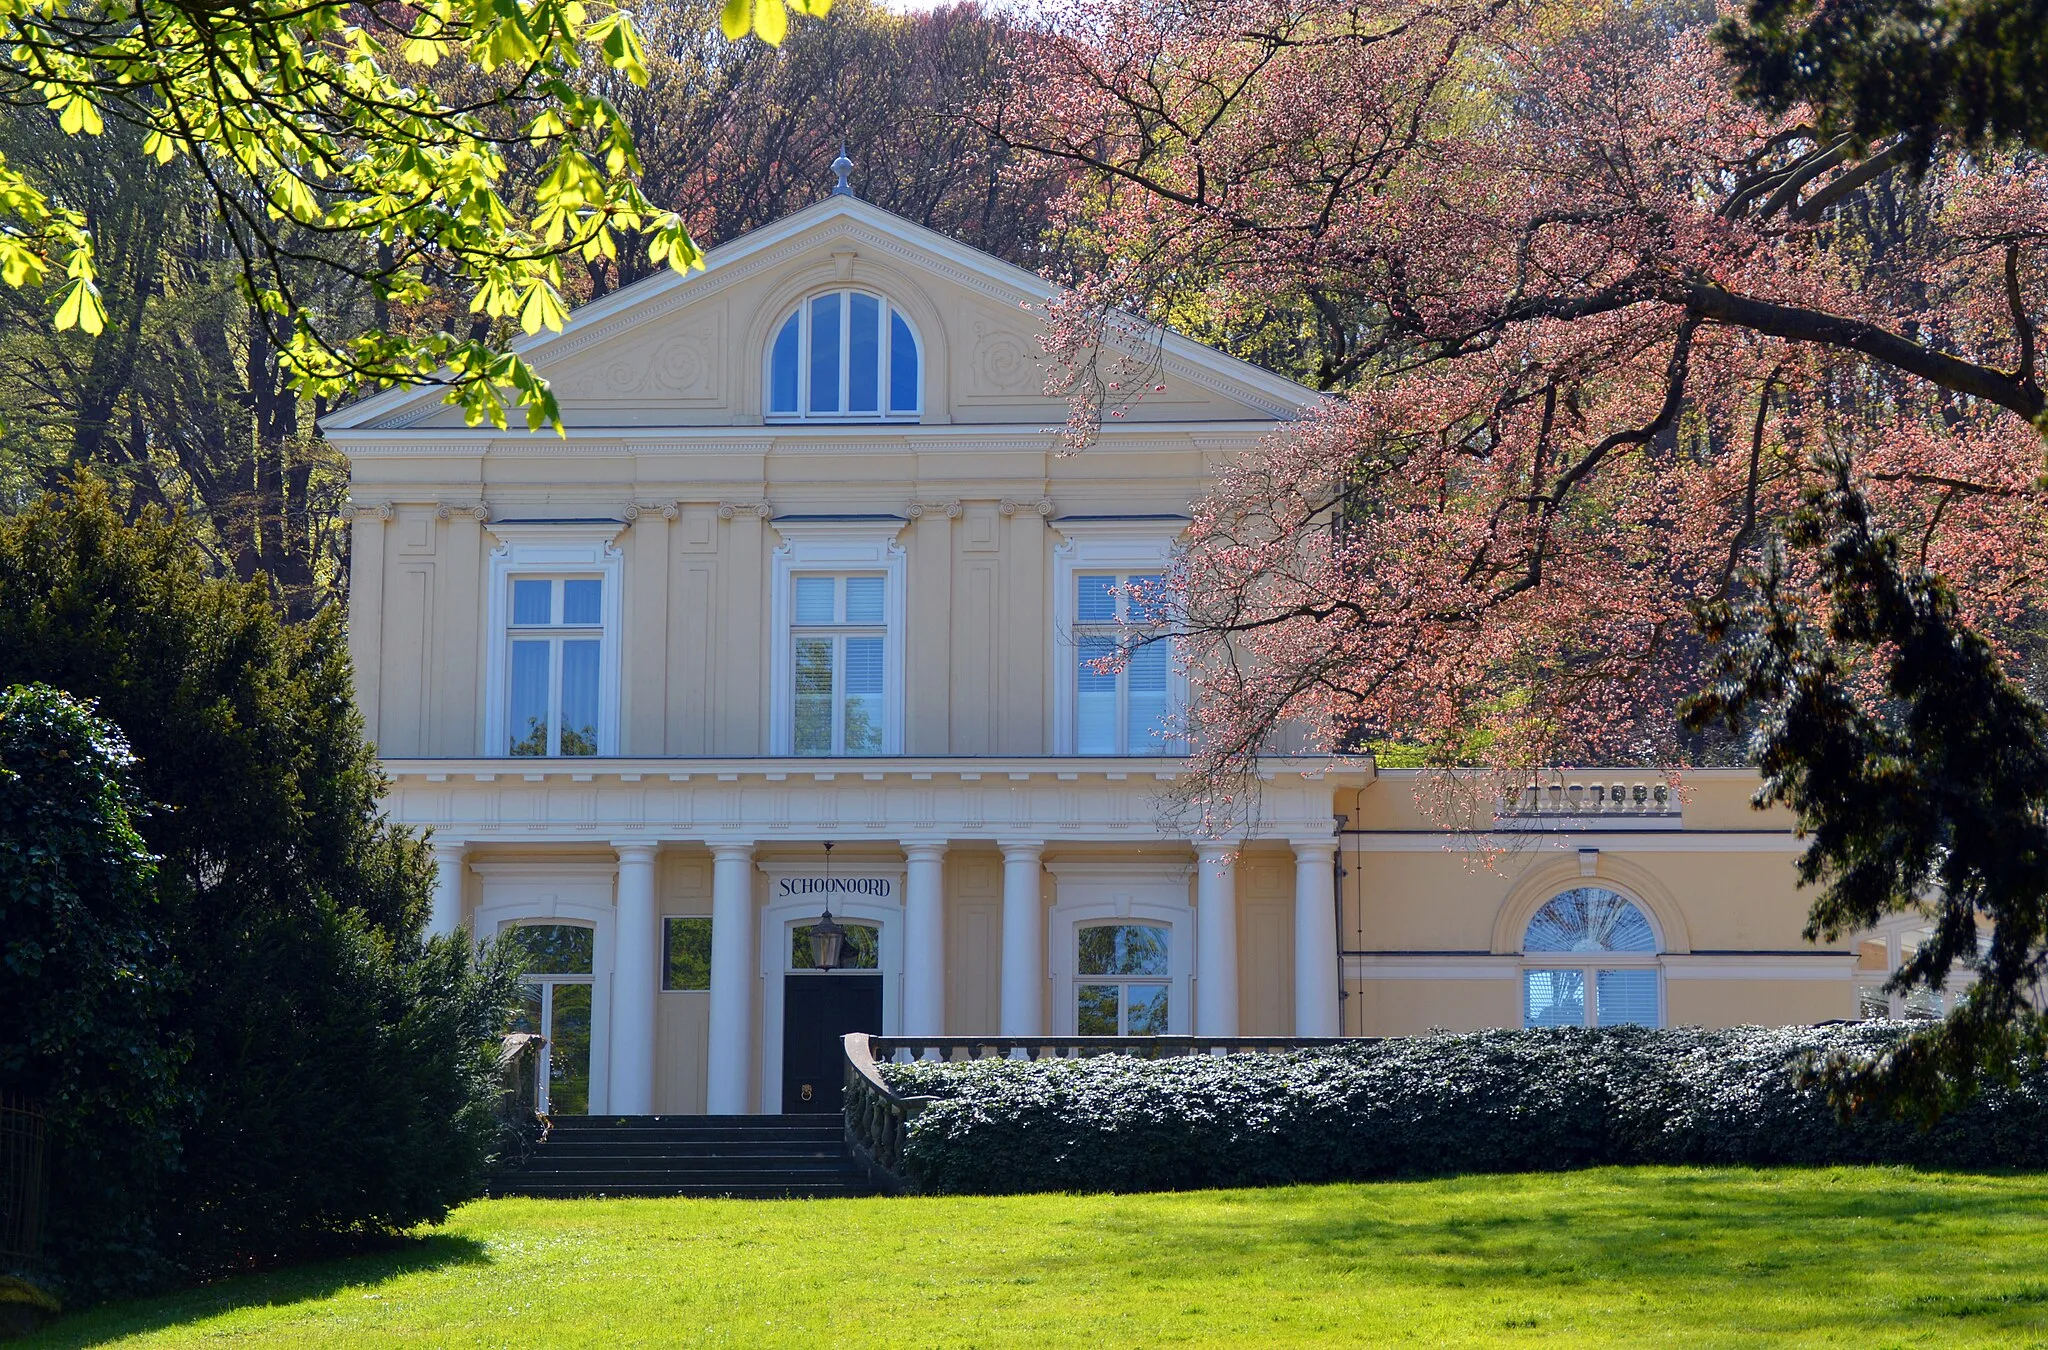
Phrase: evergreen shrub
(212, 937)
(1496, 1101)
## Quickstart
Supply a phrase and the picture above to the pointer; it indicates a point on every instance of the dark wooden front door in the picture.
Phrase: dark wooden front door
(817, 1010)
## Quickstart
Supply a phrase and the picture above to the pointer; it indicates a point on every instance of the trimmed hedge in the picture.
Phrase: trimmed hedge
(1497, 1101)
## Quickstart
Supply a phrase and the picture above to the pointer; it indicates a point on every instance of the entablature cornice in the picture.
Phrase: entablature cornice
(600, 442)
(769, 798)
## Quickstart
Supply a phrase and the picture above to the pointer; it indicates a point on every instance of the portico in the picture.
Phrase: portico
(746, 836)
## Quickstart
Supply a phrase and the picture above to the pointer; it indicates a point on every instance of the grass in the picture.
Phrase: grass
(1870, 1257)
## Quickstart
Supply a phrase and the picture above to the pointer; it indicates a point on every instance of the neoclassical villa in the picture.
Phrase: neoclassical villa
(809, 569)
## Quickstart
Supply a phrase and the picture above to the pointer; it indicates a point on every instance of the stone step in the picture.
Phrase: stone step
(684, 1136)
(755, 1157)
(746, 1123)
(543, 1162)
(577, 1147)
(695, 1191)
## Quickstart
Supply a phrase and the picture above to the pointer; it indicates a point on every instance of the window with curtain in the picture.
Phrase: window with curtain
(1120, 707)
(1591, 962)
(845, 356)
(555, 641)
(1122, 989)
(838, 637)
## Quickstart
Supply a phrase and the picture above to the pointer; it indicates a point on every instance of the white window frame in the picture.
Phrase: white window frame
(836, 632)
(551, 549)
(1159, 894)
(1590, 964)
(1120, 546)
(837, 547)
(802, 312)
(1122, 983)
(537, 891)
(548, 984)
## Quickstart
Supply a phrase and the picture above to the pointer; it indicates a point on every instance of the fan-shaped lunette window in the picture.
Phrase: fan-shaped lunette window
(845, 356)
(1589, 919)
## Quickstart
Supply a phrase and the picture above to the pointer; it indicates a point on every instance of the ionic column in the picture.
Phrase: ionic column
(1315, 938)
(1216, 940)
(730, 1064)
(636, 953)
(924, 939)
(445, 915)
(1023, 997)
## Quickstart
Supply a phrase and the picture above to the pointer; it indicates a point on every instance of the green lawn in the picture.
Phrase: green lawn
(1864, 1257)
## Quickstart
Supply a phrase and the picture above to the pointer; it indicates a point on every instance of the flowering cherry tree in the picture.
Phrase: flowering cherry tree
(1591, 317)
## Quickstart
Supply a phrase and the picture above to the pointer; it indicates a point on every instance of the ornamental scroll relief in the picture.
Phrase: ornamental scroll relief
(686, 366)
(1002, 362)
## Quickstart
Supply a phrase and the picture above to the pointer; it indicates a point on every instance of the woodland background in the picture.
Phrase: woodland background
(182, 402)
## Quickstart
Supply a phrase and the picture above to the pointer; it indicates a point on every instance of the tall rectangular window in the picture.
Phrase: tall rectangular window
(838, 638)
(1120, 708)
(556, 644)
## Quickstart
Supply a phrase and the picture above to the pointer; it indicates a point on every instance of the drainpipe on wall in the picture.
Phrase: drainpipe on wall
(1338, 873)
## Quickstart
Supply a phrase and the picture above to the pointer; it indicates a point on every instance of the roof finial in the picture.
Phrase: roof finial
(842, 166)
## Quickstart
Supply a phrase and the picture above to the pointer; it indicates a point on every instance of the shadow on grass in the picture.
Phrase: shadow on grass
(272, 1288)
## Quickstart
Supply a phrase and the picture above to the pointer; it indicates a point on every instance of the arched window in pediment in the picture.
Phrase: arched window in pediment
(845, 356)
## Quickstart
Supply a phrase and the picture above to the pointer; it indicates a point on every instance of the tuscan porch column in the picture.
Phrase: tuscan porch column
(1315, 938)
(1216, 940)
(1023, 997)
(731, 1061)
(446, 914)
(636, 950)
(924, 939)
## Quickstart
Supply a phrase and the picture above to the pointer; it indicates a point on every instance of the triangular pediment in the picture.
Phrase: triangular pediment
(688, 351)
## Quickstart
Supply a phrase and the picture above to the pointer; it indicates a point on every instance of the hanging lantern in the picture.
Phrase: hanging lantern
(828, 942)
(828, 938)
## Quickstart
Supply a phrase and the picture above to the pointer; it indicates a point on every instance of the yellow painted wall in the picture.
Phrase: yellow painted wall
(1265, 943)
(979, 656)
(1416, 1007)
(1726, 1003)
(974, 941)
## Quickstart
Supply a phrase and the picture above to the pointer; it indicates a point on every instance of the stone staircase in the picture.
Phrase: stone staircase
(751, 1157)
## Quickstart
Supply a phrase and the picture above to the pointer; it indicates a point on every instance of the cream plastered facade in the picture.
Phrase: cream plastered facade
(985, 842)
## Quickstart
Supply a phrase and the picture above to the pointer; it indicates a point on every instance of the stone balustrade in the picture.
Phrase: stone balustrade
(1572, 797)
